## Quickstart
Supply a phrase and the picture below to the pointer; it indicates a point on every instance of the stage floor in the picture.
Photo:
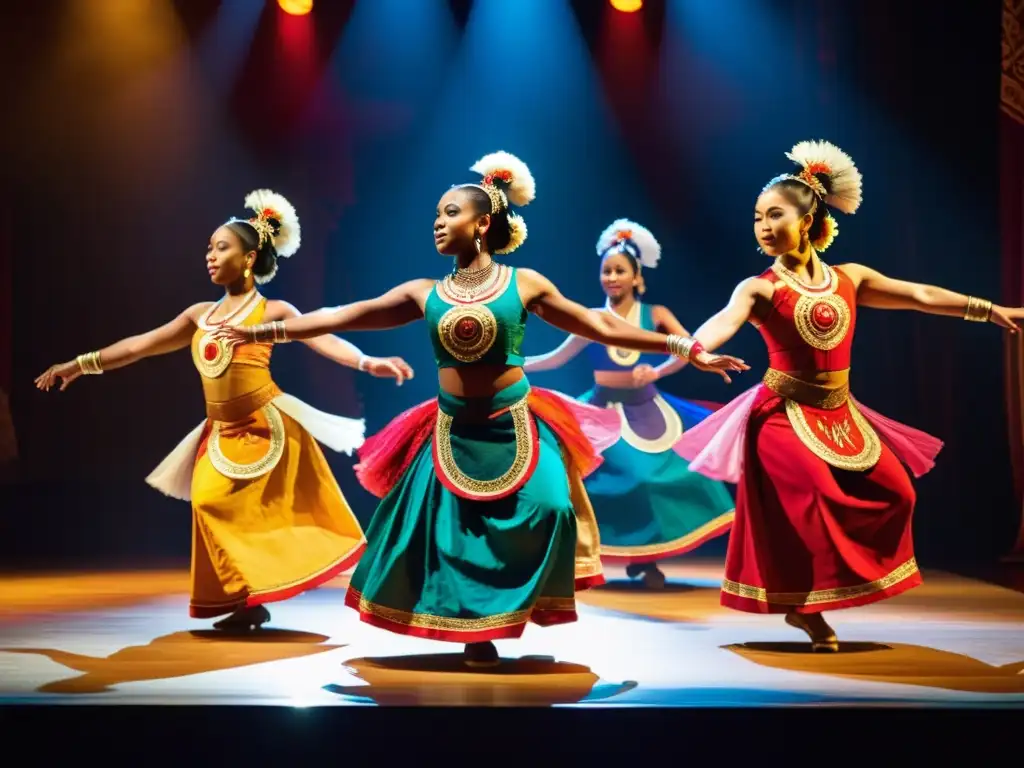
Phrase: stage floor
(125, 638)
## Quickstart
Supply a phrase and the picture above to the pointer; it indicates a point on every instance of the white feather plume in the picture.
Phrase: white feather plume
(845, 180)
(287, 241)
(650, 249)
(521, 187)
(517, 234)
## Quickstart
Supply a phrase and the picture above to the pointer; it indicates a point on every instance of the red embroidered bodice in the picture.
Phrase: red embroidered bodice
(810, 329)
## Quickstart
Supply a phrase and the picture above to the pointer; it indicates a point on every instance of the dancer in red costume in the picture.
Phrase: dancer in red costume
(823, 513)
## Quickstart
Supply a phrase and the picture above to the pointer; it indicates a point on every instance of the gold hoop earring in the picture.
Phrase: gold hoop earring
(804, 241)
(247, 274)
(479, 243)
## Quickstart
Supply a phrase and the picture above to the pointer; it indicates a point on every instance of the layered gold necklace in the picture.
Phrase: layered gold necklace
(468, 286)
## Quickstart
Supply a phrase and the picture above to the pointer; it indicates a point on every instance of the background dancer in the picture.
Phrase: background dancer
(649, 506)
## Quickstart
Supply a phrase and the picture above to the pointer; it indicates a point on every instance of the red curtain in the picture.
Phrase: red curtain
(1012, 225)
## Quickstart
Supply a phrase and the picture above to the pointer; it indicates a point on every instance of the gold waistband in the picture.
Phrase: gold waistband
(827, 396)
(240, 407)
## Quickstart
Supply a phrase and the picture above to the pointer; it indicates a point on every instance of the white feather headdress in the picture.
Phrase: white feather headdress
(517, 188)
(268, 205)
(628, 234)
(822, 158)
(520, 187)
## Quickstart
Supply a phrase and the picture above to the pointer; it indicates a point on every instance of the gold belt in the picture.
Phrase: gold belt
(824, 396)
(238, 408)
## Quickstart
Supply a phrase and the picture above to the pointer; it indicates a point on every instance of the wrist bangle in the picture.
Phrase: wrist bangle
(89, 363)
(280, 333)
(978, 310)
(362, 360)
(684, 347)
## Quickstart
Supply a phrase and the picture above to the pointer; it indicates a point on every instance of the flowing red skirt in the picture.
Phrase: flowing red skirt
(809, 537)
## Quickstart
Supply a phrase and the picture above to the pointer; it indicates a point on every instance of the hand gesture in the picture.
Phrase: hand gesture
(644, 375)
(719, 364)
(66, 372)
(1006, 317)
(233, 335)
(388, 367)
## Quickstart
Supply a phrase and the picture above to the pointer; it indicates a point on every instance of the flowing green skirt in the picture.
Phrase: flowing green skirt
(649, 505)
(479, 533)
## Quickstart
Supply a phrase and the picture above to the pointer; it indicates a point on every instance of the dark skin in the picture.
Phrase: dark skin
(457, 227)
(226, 263)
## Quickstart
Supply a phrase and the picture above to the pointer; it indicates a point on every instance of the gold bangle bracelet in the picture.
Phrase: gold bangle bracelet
(89, 364)
(978, 310)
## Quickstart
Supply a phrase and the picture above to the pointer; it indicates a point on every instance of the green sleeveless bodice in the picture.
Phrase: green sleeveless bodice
(487, 330)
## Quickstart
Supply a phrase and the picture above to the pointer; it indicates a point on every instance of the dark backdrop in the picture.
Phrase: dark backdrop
(136, 128)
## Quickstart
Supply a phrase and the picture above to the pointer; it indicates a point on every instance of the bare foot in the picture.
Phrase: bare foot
(823, 637)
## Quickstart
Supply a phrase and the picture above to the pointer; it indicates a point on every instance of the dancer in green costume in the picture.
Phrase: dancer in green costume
(484, 523)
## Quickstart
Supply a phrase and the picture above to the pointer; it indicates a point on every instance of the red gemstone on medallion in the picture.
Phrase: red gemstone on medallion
(467, 328)
(824, 316)
(210, 352)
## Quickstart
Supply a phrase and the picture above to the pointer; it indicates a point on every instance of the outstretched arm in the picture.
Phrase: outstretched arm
(557, 357)
(723, 325)
(542, 297)
(169, 337)
(665, 321)
(400, 306)
(880, 292)
(547, 302)
(341, 351)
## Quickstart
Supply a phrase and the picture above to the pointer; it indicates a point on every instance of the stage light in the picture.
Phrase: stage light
(296, 7)
(627, 6)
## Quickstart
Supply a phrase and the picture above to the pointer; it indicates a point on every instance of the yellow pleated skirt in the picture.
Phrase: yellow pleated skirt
(268, 518)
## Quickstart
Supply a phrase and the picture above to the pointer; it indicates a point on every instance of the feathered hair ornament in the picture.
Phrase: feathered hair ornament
(820, 158)
(840, 189)
(629, 237)
(507, 179)
(275, 222)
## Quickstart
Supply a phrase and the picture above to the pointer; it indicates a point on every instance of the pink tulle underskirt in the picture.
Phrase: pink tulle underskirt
(716, 447)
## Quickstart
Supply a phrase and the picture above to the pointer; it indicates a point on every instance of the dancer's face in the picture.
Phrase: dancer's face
(457, 224)
(618, 278)
(226, 257)
(778, 223)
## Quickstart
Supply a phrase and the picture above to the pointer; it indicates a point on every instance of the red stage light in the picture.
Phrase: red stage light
(627, 6)
(296, 7)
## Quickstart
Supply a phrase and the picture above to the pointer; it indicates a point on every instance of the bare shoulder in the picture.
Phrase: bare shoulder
(756, 286)
(418, 286)
(278, 309)
(855, 272)
(531, 277)
(197, 310)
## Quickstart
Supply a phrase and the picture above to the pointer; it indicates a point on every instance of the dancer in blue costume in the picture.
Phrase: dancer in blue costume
(649, 506)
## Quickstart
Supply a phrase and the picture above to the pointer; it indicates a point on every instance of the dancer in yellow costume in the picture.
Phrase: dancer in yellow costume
(268, 518)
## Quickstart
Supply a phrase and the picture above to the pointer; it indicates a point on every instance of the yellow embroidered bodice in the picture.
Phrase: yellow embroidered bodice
(236, 381)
